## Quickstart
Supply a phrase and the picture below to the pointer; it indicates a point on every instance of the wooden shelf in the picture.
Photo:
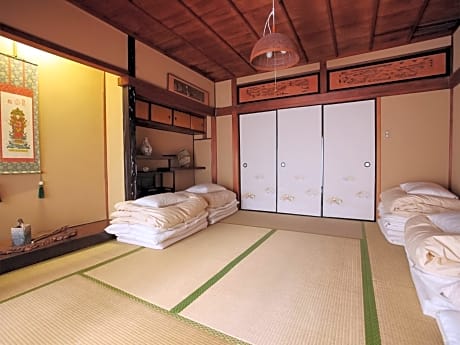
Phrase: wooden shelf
(190, 168)
(156, 158)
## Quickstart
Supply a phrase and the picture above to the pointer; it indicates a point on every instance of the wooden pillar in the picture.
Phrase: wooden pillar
(129, 126)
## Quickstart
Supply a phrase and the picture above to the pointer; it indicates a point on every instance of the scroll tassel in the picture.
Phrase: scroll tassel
(41, 190)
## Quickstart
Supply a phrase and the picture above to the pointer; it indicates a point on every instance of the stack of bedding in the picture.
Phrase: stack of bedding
(157, 221)
(432, 244)
(400, 203)
(221, 201)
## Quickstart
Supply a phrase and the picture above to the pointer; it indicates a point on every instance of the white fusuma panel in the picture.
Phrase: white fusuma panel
(349, 160)
(299, 161)
(258, 161)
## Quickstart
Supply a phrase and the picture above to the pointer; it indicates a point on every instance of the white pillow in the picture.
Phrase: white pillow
(446, 221)
(205, 188)
(427, 188)
(160, 200)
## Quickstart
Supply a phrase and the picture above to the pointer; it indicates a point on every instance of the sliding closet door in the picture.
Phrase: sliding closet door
(299, 161)
(349, 160)
(258, 161)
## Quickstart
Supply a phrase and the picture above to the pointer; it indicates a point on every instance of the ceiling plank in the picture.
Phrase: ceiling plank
(179, 28)
(303, 56)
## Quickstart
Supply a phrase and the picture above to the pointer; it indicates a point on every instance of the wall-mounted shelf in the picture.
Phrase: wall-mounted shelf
(152, 182)
(169, 158)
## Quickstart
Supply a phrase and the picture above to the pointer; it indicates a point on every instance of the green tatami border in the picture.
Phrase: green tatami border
(72, 273)
(371, 322)
(163, 311)
(199, 291)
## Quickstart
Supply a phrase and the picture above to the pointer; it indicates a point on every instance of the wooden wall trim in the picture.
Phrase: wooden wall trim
(451, 138)
(106, 168)
(161, 96)
(323, 77)
(224, 111)
(56, 49)
(346, 95)
(378, 140)
(235, 140)
(213, 150)
(455, 79)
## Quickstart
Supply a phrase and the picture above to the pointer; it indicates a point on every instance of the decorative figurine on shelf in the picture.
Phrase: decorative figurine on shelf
(184, 158)
(21, 234)
(146, 148)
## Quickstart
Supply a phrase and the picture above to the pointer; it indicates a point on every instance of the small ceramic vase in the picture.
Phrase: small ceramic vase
(146, 148)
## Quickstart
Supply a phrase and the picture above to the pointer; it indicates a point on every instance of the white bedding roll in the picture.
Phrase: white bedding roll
(431, 249)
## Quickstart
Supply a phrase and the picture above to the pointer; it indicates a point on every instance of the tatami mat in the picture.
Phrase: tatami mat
(77, 310)
(400, 316)
(295, 288)
(19, 281)
(166, 277)
(315, 225)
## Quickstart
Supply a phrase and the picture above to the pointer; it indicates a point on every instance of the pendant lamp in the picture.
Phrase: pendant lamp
(274, 50)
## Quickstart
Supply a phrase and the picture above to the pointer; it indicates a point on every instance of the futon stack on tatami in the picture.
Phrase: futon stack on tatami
(157, 221)
(432, 244)
(399, 203)
(221, 201)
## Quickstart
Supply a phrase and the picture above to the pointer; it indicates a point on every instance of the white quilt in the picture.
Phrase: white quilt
(432, 249)
(127, 212)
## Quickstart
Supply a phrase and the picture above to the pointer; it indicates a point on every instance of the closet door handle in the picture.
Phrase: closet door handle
(283, 164)
(245, 165)
(367, 164)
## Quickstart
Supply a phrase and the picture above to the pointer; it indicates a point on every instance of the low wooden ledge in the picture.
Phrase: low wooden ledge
(87, 235)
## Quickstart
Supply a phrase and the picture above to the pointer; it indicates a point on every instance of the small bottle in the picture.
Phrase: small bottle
(146, 148)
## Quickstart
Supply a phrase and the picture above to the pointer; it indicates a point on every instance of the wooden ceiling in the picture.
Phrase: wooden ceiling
(215, 37)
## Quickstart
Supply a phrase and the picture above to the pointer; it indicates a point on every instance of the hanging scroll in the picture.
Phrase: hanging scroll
(19, 144)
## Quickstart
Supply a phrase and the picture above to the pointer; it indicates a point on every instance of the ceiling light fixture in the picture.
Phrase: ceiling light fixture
(273, 50)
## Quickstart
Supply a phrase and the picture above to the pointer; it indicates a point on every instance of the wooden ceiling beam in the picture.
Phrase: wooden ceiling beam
(420, 14)
(243, 18)
(374, 24)
(332, 26)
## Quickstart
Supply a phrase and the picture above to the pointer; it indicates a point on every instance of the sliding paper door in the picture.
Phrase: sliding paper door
(299, 161)
(349, 160)
(258, 161)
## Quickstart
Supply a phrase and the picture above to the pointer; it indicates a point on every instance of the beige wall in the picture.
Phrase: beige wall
(71, 125)
(66, 25)
(455, 183)
(223, 94)
(203, 159)
(154, 67)
(224, 151)
(114, 138)
(415, 138)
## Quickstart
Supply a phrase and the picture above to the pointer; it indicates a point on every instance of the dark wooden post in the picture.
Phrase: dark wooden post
(129, 125)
